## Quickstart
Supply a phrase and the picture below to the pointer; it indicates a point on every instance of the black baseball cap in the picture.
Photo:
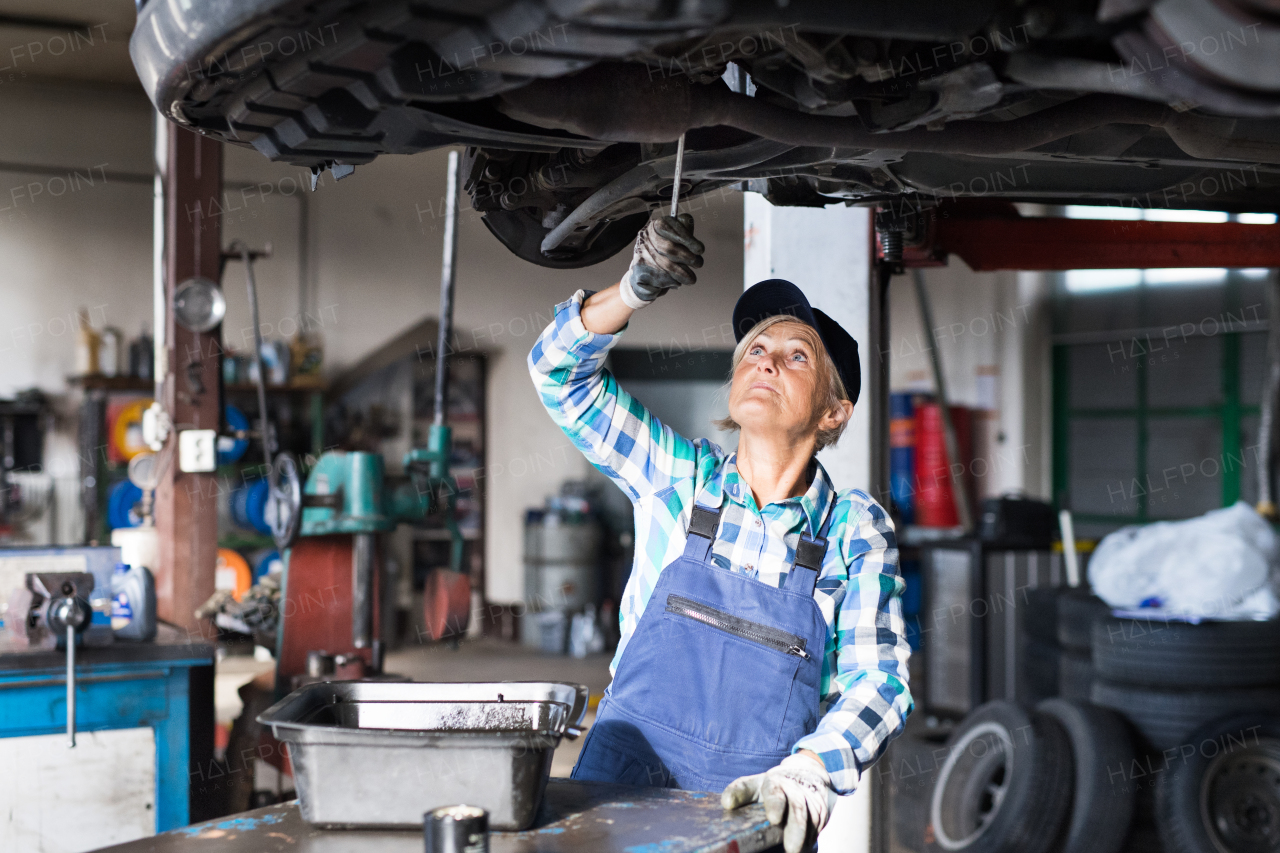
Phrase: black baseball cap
(779, 296)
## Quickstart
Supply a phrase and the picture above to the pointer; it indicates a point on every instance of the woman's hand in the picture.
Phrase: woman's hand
(665, 255)
(796, 794)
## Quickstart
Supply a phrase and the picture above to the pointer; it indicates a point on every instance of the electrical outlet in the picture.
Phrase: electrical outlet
(197, 450)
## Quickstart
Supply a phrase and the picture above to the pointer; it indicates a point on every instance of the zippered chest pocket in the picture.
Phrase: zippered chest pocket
(755, 632)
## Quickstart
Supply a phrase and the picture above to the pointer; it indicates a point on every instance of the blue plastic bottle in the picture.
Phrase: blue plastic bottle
(133, 603)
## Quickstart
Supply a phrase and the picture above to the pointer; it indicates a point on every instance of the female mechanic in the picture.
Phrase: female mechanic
(763, 650)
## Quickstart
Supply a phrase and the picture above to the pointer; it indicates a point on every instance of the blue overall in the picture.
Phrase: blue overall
(721, 677)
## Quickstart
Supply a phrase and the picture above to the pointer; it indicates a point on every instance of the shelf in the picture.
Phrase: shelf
(237, 540)
(912, 534)
(433, 534)
(291, 388)
(99, 382)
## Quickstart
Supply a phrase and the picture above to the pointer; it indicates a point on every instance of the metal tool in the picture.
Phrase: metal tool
(448, 593)
(369, 753)
(241, 249)
(65, 612)
(675, 188)
(456, 829)
(73, 614)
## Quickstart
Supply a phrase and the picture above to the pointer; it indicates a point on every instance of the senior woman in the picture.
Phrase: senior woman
(762, 650)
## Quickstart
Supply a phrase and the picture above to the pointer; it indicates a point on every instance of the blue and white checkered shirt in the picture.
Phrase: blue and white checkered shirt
(865, 698)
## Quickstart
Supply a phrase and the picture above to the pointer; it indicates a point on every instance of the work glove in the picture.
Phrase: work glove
(797, 794)
(665, 256)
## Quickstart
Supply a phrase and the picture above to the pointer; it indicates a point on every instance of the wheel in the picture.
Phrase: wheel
(1040, 615)
(1075, 676)
(1004, 786)
(1102, 806)
(1077, 608)
(1221, 793)
(1167, 718)
(283, 509)
(1186, 656)
(522, 233)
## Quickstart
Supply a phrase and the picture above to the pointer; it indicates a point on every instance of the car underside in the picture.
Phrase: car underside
(571, 109)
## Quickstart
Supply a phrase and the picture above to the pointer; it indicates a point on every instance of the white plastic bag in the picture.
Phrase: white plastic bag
(1221, 565)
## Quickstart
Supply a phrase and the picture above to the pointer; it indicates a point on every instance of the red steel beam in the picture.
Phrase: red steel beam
(1030, 243)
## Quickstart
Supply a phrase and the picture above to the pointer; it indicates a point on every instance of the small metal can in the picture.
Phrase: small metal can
(456, 829)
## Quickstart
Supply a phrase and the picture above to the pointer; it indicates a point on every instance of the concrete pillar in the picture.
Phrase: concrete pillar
(829, 254)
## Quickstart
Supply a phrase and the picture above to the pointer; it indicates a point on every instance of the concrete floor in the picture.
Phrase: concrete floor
(488, 659)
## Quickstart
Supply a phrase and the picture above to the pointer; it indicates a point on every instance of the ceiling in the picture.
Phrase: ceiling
(80, 41)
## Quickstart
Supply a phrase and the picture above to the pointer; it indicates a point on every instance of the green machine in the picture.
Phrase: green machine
(349, 492)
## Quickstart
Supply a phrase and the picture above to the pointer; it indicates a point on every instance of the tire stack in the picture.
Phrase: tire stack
(1077, 611)
(1041, 659)
(1204, 703)
(1011, 781)
(1056, 656)
(1171, 678)
(1166, 739)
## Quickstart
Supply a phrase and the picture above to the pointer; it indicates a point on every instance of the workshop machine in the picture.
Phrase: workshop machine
(327, 528)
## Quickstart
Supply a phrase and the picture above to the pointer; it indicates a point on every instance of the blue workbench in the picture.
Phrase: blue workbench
(166, 685)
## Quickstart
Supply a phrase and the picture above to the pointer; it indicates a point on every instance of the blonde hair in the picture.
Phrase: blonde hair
(828, 391)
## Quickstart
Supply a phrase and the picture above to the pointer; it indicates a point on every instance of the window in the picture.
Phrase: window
(1158, 375)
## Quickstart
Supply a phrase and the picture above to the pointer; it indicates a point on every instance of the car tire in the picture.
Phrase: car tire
(522, 234)
(1040, 615)
(1004, 786)
(1077, 609)
(1101, 811)
(1166, 719)
(1222, 791)
(1075, 676)
(1178, 654)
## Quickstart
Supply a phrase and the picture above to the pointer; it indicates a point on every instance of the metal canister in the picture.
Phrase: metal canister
(456, 829)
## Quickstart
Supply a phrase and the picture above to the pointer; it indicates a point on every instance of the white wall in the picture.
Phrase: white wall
(375, 260)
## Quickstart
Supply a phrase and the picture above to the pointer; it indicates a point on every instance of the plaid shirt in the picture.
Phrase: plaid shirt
(865, 699)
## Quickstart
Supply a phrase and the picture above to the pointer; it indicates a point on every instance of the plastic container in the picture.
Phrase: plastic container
(133, 603)
(902, 453)
(138, 546)
(935, 499)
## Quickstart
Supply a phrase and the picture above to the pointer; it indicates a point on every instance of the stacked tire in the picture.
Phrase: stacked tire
(1204, 703)
(1040, 782)
(1077, 611)
(1041, 659)
(1056, 653)
(1174, 733)
(1171, 678)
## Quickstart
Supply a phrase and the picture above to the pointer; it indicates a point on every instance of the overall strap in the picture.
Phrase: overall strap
(703, 524)
(810, 553)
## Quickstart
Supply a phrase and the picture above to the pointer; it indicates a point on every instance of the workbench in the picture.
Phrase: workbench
(165, 685)
(575, 817)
